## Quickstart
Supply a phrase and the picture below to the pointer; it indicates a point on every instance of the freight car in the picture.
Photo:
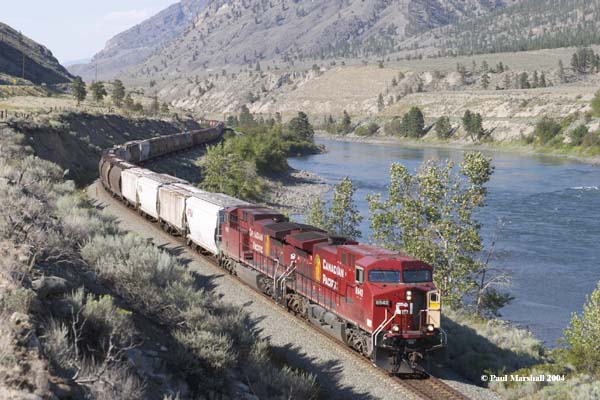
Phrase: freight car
(381, 303)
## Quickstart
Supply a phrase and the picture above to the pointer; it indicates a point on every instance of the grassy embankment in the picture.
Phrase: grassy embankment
(90, 310)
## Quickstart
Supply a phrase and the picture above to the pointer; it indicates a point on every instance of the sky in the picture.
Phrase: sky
(76, 29)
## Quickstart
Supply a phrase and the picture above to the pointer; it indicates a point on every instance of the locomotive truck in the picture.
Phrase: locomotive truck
(381, 303)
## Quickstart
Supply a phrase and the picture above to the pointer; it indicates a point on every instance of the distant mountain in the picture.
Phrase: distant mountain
(133, 46)
(21, 57)
(527, 25)
(247, 31)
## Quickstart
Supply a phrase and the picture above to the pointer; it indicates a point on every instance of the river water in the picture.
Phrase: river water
(544, 211)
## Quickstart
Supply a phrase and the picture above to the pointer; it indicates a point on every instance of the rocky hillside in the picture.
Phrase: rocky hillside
(21, 57)
(136, 44)
(230, 32)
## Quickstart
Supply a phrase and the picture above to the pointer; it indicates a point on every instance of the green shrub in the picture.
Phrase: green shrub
(477, 346)
(591, 139)
(596, 104)
(578, 134)
(367, 130)
(546, 129)
(443, 129)
(582, 337)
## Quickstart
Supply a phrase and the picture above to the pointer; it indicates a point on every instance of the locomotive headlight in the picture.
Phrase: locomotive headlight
(395, 328)
(408, 295)
(430, 328)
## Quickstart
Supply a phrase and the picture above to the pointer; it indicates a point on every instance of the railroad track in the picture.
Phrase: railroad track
(427, 387)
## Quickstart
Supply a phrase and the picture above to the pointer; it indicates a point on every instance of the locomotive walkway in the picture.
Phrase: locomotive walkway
(341, 374)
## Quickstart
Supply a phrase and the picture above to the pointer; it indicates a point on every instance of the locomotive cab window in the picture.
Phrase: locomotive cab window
(384, 276)
(359, 275)
(416, 276)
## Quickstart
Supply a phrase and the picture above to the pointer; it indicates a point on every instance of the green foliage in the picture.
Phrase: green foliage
(485, 80)
(413, 123)
(443, 129)
(596, 104)
(98, 91)
(367, 130)
(246, 119)
(154, 106)
(582, 337)
(429, 215)
(578, 134)
(472, 123)
(78, 89)
(342, 217)
(164, 108)
(380, 103)
(591, 139)
(346, 123)
(316, 214)
(118, 93)
(300, 129)
(546, 129)
(227, 172)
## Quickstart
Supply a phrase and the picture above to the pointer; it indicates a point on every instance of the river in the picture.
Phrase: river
(545, 212)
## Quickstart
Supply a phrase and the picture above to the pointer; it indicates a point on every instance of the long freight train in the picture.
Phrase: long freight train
(381, 303)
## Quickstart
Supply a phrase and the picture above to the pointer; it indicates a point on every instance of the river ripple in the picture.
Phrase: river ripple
(549, 208)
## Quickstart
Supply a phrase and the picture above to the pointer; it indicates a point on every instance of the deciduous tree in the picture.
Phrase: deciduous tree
(430, 215)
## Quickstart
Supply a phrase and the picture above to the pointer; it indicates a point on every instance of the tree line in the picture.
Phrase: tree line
(120, 98)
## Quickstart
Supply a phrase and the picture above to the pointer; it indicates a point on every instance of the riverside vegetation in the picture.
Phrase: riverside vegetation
(237, 165)
(85, 304)
(429, 215)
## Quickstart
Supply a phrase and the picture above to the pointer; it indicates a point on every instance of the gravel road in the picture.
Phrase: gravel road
(341, 375)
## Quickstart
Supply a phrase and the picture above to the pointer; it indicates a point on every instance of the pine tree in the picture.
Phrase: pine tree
(524, 81)
(128, 103)
(485, 80)
(346, 123)
(561, 71)
(300, 128)
(98, 91)
(394, 82)
(413, 123)
(246, 119)
(543, 80)
(164, 108)
(536, 79)
(118, 93)
(380, 103)
(154, 106)
(506, 81)
(78, 89)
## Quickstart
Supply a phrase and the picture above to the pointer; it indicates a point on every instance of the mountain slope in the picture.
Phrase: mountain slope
(135, 44)
(246, 31)
(21, 57)
(527, 25)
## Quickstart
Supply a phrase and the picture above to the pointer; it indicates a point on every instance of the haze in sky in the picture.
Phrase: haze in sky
(75, 29)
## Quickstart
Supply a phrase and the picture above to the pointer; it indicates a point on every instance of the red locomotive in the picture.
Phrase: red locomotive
(381, 303)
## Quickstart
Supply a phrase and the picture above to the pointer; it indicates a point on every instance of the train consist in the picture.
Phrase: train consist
(381, 303)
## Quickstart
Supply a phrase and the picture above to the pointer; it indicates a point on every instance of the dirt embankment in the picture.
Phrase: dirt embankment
(75, 141)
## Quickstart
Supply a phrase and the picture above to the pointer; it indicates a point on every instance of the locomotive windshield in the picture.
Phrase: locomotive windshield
(417, 275)
(384, 276)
